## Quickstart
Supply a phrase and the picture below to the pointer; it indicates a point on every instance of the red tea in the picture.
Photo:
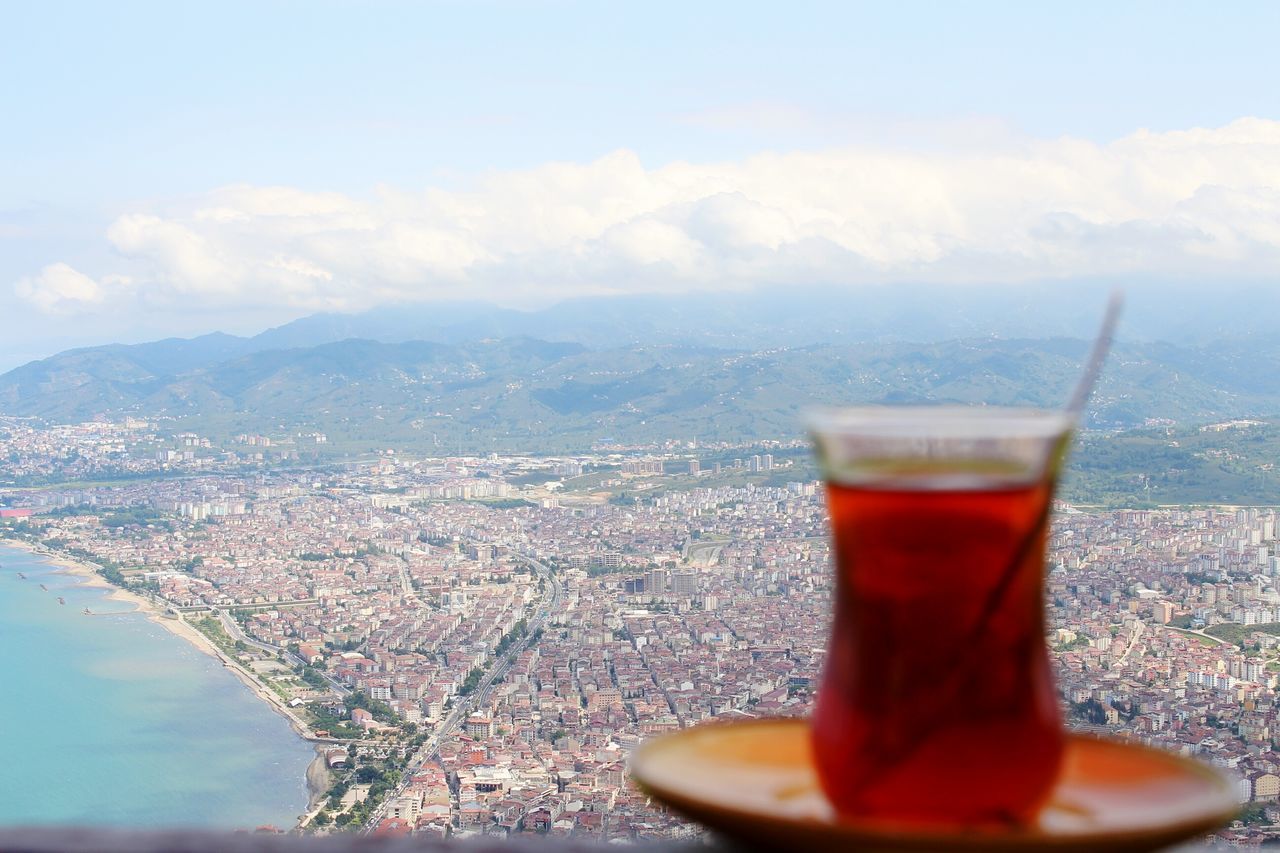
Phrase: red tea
(937, 701)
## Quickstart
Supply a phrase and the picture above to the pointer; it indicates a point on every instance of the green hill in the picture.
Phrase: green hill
(522, 393)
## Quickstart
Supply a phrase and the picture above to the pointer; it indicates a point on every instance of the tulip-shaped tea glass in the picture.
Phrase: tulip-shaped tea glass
(937, 703)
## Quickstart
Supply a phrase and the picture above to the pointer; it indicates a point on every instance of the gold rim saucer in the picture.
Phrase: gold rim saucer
(754, 782)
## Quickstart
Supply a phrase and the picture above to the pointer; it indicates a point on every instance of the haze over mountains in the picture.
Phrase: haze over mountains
(1155, 311)
(726, 366)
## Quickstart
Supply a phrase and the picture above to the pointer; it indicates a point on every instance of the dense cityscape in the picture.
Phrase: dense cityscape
(476, 643)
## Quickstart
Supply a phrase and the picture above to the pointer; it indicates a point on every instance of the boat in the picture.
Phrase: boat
(45, 588)
(21, 576)
(61, 600)
(88, 612)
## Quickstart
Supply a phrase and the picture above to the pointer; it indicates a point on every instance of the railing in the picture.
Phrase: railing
(102, 840)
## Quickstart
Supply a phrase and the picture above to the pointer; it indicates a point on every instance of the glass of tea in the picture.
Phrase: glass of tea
(937, 703)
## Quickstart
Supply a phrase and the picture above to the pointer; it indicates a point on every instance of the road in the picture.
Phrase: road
(1209, 638)
(704, 553)
(534, 624)
(1134, 633)
(406, 585)
(233, 629)
(463, 705)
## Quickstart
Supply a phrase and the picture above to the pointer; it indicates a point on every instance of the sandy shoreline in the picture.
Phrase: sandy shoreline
(88, 575)
(317, 774)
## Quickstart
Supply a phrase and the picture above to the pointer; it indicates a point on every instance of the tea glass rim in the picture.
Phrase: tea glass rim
(942, 422)
(939, 447)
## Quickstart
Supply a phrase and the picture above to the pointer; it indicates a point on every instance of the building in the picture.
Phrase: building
(479, 727)
(1266, 787)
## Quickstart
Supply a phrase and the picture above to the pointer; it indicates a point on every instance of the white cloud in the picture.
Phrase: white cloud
(1185, 203)
(60, 289)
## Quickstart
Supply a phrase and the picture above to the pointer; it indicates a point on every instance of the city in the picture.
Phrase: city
(474, 644)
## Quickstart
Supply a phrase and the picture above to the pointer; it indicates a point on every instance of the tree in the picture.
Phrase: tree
(321, 819)
(1253, 814)
(472, 682)
(312, 677)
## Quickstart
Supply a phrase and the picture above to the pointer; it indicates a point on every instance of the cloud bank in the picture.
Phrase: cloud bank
(1195, 203)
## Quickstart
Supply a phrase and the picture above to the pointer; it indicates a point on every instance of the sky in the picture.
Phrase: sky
(176, 168)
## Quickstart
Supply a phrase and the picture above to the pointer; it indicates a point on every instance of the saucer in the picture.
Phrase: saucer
(754, 782)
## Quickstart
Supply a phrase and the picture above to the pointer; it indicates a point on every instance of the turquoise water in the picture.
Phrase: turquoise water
(113, 720)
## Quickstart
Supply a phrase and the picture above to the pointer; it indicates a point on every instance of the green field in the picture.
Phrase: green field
(1235, 633)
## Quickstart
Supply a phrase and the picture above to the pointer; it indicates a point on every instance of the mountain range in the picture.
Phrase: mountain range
(1179, 313)
(523, 393)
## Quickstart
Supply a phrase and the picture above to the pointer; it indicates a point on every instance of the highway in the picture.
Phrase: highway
(553, 591)
(234, 631)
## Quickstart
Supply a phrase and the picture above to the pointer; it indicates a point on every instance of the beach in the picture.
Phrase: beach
(88, 574)
(122, 726)
(173, 623)
(317, 775)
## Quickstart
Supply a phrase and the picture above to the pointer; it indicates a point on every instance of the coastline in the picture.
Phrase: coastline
(317, 774)
(87, 574)
(319, 778)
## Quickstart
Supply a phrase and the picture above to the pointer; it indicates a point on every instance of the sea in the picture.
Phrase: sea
(111, 720)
